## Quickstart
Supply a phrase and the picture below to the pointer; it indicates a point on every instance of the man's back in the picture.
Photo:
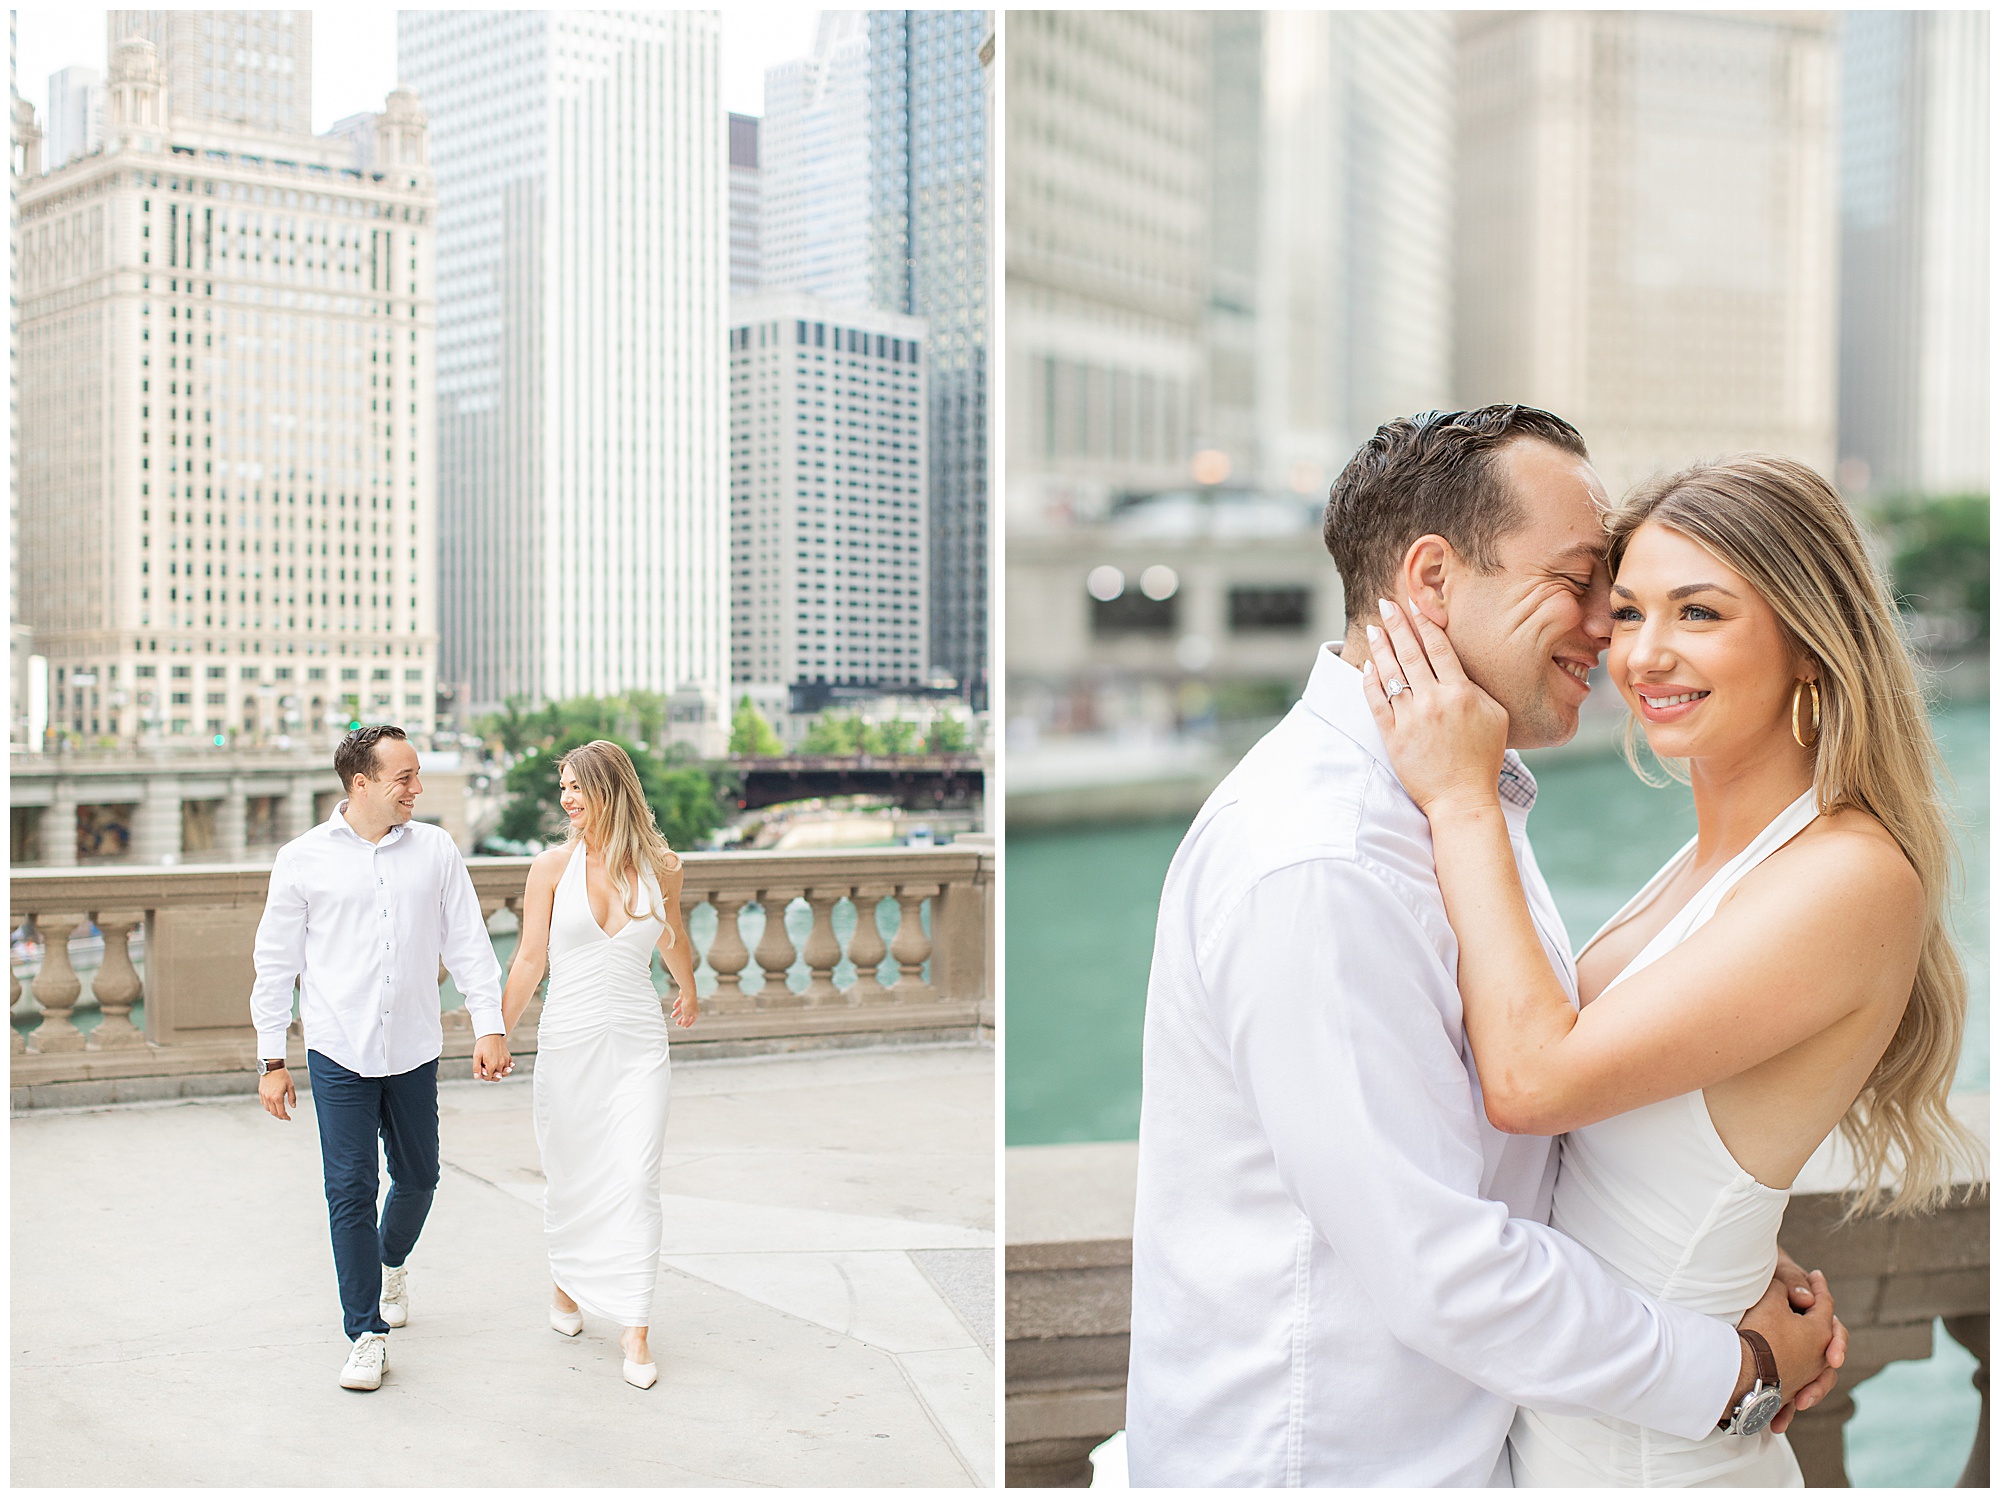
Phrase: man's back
(1307, 1087)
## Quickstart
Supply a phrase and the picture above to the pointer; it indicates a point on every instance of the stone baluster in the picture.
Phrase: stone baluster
(117, 986)
(1973, 1334)
(775, 952)
(912, 947)
(56, 986)
(14, 923)
(823, 947)
(728, 956)
(867, 949)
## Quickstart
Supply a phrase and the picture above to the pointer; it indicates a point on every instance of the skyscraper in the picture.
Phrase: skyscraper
(1647, 229)
(1330, 214)
(76, 115)
(225, 370)
(1107, 259)
(828, 496)
(814, 148)
(929, 250)
(746, 207)
(240, 67)
(583, 419)
(1915, 192)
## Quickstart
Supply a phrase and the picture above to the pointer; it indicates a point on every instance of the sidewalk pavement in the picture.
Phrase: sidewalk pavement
(824, 1313)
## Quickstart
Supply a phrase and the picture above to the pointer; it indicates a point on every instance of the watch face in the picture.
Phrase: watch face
(1758, 1410)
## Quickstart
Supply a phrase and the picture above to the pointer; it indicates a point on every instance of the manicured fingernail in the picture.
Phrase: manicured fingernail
(1374, 635)
(1388, 609)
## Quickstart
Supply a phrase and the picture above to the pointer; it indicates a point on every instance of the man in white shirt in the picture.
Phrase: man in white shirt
(1341, 1272)
(361, 910)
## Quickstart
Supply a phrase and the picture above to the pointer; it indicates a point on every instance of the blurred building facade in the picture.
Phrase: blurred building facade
(238, 67)
(225, 489)
(1915, 204)
(583, 414)
(1108, 186)
(1647, 237)
(76, 115)
(746, 207)
(929, 247)
(1330, 292)
(828, 545)
(814, 146)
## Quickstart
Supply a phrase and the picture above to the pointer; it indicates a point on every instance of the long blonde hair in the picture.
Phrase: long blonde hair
(1783, 528)
(619, 824)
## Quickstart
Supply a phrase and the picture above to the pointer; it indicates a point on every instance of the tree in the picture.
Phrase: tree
(649, 714)
(1940, 562)
(831, 735)
(750, 732)
(946, 736)
(685, 799)
(898, 737)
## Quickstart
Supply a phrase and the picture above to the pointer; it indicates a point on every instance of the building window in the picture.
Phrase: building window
(1252, 609)
(1133, 613)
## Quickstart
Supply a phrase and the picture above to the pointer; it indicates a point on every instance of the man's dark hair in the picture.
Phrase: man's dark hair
(356, 754)
(1429, 475)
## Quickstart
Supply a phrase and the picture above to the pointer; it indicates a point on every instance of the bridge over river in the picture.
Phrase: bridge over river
(917, 781)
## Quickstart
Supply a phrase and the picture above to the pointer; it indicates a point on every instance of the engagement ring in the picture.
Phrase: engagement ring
(1396, 688)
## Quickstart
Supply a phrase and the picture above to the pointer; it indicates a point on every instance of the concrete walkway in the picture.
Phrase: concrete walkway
(824, 1313)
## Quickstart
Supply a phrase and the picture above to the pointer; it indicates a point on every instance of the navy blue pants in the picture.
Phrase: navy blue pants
(354, 1111)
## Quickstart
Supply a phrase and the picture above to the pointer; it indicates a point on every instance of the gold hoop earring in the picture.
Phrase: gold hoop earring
(1798, 698)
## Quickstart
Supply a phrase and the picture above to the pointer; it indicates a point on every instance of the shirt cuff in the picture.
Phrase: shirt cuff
(271, 1047)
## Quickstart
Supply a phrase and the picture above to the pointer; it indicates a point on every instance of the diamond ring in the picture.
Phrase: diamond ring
(1395, 689)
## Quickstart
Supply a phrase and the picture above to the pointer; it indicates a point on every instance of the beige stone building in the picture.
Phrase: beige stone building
(224, 361)
(241, 67)
(1647, 231)
(1107, 232)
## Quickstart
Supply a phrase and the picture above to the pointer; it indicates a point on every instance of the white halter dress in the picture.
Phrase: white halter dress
(601, 1086)
(1657, 1196)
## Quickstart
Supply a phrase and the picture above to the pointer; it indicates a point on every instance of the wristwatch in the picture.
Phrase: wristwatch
(266, 1065)
(1765, 1398)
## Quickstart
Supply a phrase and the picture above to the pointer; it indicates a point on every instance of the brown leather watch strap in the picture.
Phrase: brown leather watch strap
(1761, 1354)
(268, 1064)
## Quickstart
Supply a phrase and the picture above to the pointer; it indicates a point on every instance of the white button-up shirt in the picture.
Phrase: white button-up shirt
(1341, 1272)
(362, 926)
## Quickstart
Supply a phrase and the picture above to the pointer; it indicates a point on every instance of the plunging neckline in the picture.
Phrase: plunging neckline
(597, 925)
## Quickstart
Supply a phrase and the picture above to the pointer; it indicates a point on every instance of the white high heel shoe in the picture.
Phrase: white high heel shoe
(641, 1375)
(569, 1323)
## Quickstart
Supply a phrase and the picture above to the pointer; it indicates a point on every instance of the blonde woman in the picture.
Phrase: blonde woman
(1789, 971)
(596, 909)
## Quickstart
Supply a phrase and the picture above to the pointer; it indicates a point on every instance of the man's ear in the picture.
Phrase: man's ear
(1426, 575)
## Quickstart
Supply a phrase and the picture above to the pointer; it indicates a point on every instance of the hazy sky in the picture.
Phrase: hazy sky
(354, 52)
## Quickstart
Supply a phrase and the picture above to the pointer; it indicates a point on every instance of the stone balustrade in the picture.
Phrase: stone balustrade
(928, 977)
(1069, 1296)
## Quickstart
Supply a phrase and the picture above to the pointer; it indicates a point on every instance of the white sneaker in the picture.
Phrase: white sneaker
(396, 1295)
(366, 1363)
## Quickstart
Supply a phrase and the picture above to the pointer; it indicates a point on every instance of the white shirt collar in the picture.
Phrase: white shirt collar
(1334, 692)
(339, 823)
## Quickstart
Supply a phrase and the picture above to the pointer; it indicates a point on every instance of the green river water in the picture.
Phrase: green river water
(1080, 910)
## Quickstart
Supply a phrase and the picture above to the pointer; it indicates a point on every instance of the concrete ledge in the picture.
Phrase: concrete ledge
(1069, 1294)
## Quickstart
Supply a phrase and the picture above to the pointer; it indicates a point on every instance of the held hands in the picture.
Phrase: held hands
(1796, 1318)
(687, 1008)
(276, 1092)
(1445, 736)
(491, 1060)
